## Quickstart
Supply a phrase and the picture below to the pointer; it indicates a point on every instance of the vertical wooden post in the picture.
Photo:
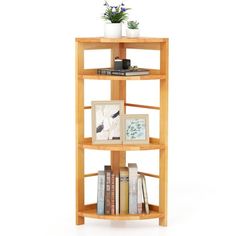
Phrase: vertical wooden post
(118, 92)
(163, 165)
(79, 109)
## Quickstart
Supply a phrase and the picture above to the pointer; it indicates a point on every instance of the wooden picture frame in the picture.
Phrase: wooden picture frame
(107, 122)
(135, 129)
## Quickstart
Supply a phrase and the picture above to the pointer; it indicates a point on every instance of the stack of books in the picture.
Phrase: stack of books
(123, 193)
(123, 72)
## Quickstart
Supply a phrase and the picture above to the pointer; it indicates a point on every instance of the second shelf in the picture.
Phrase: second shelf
(154, 143)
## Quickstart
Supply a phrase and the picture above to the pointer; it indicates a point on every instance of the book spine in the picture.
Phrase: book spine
(133, 189)
(117, 195)
(145, 196)
(112, 194)
(119, 73)
(124, 191)
(107, 192)
(140, 192)
(100, 193)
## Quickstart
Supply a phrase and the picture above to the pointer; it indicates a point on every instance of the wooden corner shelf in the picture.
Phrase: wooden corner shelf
(118, 48)
(154, 144)
(91, 212)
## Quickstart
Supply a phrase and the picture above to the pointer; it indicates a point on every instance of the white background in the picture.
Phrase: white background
(37, 164)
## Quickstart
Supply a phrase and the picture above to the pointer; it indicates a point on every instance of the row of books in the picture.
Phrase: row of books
(123, 72)
(121, 193)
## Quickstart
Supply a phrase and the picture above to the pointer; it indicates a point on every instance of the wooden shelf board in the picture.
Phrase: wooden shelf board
(113, 77)
(91, 212)
(121, 40)
(154, 144)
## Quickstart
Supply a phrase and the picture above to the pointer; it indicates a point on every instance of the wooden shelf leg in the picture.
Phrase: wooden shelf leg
(79, 185)
(117, 160)
(163, 163)
(79, 109)
(118, 92)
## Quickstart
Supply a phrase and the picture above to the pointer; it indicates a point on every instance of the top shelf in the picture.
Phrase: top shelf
(121, 40)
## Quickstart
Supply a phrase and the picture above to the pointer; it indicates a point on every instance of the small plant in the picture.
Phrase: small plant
(115, 14)
(133, 24)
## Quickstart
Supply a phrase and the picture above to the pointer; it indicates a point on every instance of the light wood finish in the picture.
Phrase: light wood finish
(163, 163)
(91, 175)
(90, 211)
(142, 106)
(149, 46)
(148, 174)
(119, 78)
(79, 102)
(87, 144)
(121, 40)
(92, 46)
(133, 105)
(118, 92)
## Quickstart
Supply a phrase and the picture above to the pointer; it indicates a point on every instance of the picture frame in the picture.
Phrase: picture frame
(107, 122)
(135, 129)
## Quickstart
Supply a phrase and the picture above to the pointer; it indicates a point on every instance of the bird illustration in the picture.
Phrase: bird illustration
(116, 114)
(100, 128)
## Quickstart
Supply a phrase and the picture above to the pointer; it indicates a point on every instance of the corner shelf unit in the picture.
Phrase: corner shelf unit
(118, 151)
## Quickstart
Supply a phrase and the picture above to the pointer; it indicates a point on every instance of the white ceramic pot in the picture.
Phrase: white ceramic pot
(132, 33)
(113, 30)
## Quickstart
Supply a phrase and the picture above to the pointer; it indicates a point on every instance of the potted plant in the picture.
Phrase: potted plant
(114, 17)
(133, 29)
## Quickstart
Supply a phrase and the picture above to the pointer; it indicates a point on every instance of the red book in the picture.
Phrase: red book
(113, 179)
(107, 170)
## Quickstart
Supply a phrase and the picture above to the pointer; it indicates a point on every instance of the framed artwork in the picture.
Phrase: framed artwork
(107, 122)
(135, 129)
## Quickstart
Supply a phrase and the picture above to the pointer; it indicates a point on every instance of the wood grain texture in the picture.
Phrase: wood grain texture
(148, 174)
(121, 40)
(142, 106)
(163, 163)
(153, 145)
(118, 92)
(90, 211)
(79, 103)
(148, 46)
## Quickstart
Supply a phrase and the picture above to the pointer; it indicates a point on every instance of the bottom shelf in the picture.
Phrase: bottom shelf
(91, 212)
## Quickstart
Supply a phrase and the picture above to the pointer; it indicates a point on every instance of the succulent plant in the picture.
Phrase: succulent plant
(133, 24)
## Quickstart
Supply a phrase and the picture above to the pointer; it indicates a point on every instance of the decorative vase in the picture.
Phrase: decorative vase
(132, 33)
(113, 30)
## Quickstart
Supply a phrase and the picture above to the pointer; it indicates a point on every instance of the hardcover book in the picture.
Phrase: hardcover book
(124, 72)
(117, 195)
(133, 188)
(113, 194)
(107, 190)
(124, 190)
(140, 193)
(101, 192)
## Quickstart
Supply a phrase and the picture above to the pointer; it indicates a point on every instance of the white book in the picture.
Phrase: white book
(140, 194)
(117, 196)
(145, 196)
(133, 188)
(101, 192)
